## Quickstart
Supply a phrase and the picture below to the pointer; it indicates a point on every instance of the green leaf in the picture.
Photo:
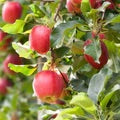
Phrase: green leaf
(85, 6)
(24, 69)
(58, 33)
(78, 62)
(77, 47)
(94, 50)
(14, 28)
(83, 101)
(97, 84)
(36, 10)
(115, 19)
(104, 6)
(66, 114)
(60, 52)
(3, 116)
(107, 98)
(78, 85)
(113, 35)
(23, 50)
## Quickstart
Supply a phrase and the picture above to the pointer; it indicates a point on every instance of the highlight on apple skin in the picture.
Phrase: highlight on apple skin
(39, 39)
(11, 11)
(11, 58)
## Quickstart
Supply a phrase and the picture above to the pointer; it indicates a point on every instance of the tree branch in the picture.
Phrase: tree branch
(58, 10)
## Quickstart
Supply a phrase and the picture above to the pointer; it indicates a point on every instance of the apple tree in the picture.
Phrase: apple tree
(60, 59)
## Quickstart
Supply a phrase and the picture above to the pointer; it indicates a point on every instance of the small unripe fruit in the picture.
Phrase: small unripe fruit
(39, 38)
(48, 86)
(103, 58)
(11, 58)
(4, 84)
(4, 41)
(11, 11)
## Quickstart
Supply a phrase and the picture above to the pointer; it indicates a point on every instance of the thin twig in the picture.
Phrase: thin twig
(58, 10)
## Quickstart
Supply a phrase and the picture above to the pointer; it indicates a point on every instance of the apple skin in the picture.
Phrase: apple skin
(39, 39)
(4, 41)
(4, 83)
(11, 11)
(11, 58)
(72, 8)
(102, 36)
(103, 58)
(76, 1)
(48, 86)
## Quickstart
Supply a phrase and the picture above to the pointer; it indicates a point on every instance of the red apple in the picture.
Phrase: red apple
(72, 8)
(39, 38)
(112, 5)
(103, 58)
(92, 3)
(11, 58)
(102, 36)
(76, 1)
(11, 11)
(4, 40)
(98, 3)
(4, 84)
(48, 86)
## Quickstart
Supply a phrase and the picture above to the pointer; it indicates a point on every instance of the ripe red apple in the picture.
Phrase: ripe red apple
(76, 1)
(11, 58)
(48, 86)
(11, 11)
(103, 58)
(39, 38)
(102, 36)
(4, 40)
(72, 8)
(4, 84)
(112, 5)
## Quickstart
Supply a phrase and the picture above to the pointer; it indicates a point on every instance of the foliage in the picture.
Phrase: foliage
(94, 94)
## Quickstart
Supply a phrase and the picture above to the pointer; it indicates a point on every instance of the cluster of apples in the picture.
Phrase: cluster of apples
(48, 85)
(10, 12)
(73, 6)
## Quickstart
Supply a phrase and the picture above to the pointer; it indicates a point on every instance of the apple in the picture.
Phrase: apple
(4, 84)
(72, 8)
(4, 40)
(102, 36)
(103, 58)
(39, 39)
(11, 58)
(112, 5)
(76, 1)
(48, 86)
(11, 11)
